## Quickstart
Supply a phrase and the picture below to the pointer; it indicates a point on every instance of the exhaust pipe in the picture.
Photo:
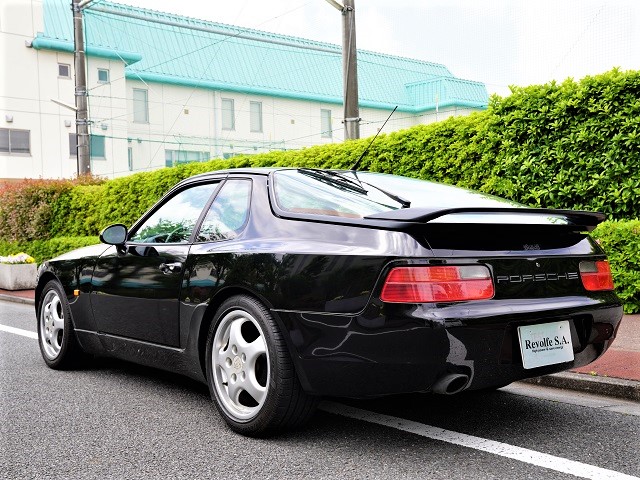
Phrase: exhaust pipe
(450, 384)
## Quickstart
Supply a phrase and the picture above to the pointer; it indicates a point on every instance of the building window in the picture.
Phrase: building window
(103, 75)
(130, 158)
(325, 123)
(256, 116)
(228, 115)
(140, 106)
(97, 147)
(64, 70)
(73, 145)
(15, 141)
(177, 157)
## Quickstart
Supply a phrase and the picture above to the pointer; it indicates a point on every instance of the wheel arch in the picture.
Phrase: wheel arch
(44, 278)
(214, 304)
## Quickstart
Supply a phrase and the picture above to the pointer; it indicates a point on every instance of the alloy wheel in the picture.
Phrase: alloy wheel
(240, 361)
(52, 325)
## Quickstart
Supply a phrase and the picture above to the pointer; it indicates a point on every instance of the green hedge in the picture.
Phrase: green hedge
(568, 145)
(621, 241)
(43, 250)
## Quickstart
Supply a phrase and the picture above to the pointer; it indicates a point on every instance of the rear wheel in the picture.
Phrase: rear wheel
(250, 373)
(58, 345)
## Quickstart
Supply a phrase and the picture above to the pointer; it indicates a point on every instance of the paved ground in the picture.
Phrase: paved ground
(622, 360)
(117, 420)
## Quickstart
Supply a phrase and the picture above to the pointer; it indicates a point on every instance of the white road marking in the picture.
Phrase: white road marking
(19, 331)
(532, 457)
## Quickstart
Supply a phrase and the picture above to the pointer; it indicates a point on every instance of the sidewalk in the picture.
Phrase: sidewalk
(616, 373)
(19, 296)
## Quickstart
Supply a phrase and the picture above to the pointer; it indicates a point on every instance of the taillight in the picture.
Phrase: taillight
(437, 284)
(596, 275)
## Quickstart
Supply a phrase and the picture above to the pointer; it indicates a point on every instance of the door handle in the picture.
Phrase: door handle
(169, 268)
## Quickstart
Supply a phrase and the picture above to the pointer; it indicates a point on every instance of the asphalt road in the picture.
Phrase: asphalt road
(117, 420)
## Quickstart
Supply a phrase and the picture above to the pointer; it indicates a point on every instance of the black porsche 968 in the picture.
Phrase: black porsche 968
(279, 286)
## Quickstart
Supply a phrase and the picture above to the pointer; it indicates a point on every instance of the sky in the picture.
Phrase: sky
(497, 42)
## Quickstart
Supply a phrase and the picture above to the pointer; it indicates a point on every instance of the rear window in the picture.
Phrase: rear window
(317, 193)
(426, 194)
(344, 194)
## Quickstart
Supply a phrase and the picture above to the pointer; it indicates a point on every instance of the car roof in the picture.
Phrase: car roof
(213, 174)
(237, 171)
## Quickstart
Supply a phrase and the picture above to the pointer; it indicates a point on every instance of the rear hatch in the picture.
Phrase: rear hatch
(532, 253)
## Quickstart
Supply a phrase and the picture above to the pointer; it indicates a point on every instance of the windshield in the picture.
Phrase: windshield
(321, 193)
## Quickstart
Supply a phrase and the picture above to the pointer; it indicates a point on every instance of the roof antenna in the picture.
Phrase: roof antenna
(355, 166)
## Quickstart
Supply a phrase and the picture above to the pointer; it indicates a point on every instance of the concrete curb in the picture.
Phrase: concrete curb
(611, 387)
(11, 298)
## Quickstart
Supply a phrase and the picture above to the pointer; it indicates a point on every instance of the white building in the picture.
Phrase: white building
(165, 89)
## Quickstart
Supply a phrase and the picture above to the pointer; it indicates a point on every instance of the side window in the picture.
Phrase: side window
(228, 212)
(175, 220)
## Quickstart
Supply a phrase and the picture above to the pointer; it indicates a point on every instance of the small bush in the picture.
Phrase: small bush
(43, 250)
(621, 242)
(37, 209)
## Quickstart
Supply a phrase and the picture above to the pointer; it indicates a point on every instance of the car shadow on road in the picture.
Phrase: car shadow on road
(144, 374)
(497, 415)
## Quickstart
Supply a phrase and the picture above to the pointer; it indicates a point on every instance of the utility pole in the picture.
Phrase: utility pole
(82, 116)
(350, 72)
(349, 69)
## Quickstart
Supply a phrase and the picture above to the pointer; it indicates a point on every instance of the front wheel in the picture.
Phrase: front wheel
(250, 374)
(58, 345)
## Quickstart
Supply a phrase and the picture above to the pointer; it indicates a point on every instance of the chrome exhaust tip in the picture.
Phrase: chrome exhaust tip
(450, 384)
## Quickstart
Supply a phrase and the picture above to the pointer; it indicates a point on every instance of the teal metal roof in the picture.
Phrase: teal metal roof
(198, 53)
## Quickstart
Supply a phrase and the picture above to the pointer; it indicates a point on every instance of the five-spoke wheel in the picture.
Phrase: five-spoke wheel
(240, 364)
(58, 343)
(51, 324)
(250, 373)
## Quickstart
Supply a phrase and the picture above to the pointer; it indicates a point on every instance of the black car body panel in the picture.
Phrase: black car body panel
(322, 276)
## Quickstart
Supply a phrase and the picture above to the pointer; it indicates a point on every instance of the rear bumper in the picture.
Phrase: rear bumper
(392, 349)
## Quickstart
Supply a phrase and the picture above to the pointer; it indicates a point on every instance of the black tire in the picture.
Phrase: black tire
(236, 355)
(56, 337)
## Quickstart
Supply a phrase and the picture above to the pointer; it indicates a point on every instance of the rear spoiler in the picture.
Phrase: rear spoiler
(582, 220)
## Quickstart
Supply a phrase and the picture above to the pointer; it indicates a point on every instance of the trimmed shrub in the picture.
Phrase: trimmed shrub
(621, 242)
(43, 250)
(568, 145)
(38, 209)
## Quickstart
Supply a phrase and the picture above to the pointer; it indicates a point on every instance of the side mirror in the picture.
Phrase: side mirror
(114, 234)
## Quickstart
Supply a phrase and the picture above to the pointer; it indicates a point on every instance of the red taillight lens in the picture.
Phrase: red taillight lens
(437, 284)
(596, 275)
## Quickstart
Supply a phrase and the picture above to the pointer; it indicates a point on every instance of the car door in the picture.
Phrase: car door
(135, 288)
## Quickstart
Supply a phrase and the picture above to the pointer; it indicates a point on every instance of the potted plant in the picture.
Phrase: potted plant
(18, 272)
